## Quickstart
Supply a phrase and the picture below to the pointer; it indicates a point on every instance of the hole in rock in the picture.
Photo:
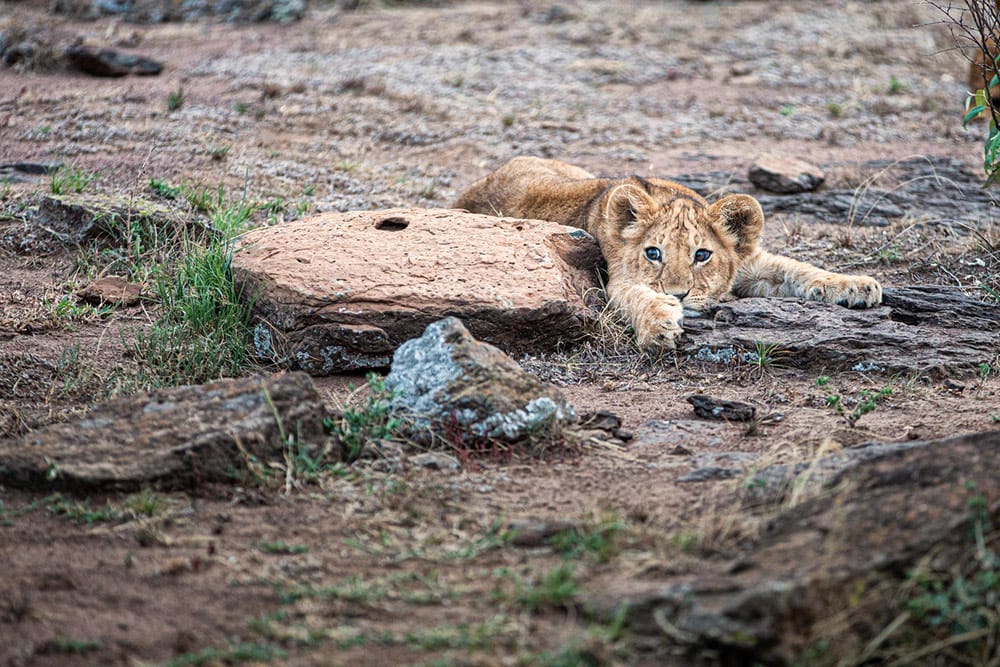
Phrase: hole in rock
(392, 224)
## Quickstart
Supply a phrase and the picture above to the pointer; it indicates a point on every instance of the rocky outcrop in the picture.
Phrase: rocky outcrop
(917, 329)
(941, 189)
(159, 11)
(178, 437)
(339, 292)
(78, 218)
(814, 560)
(454, 388)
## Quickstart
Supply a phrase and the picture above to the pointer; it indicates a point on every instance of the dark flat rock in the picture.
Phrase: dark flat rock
(111, 63)
(922, 329)
(717, 408)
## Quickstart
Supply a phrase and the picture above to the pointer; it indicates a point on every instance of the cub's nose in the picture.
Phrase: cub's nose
(680, 295)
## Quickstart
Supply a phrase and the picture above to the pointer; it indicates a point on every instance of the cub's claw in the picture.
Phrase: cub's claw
(844, 290)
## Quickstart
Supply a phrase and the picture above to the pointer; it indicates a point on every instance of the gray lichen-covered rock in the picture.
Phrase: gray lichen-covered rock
(448, 383)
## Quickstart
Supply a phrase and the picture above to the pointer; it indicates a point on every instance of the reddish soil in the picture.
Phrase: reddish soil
(405, 106)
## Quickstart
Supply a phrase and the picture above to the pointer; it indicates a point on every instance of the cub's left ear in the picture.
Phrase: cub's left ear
(742, 216)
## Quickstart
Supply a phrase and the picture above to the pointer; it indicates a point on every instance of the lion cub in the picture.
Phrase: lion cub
(668, 250)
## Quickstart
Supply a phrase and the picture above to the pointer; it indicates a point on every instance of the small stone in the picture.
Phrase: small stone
(435, 461)
(785, 175)
(709, 474)
(954, 386)
(717, 408)
(680, 450)
(534, 533)
(111, 290)
(602, 420)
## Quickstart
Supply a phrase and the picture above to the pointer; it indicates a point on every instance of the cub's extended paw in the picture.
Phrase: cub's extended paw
(844, 290)
(660, 323)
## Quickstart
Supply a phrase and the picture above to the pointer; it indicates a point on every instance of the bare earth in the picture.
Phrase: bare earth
(405, 107)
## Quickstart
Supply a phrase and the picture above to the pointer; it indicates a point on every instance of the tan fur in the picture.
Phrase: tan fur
(981, 68)
(630, 216)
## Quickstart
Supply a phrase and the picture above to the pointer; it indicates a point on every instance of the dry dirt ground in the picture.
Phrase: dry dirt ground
(404, 106)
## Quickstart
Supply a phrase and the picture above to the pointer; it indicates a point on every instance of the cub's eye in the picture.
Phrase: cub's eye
(702, 255)
(653, 254)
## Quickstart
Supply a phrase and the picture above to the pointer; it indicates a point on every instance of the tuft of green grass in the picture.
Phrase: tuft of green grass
(787, 110)
(146, 503)
(598, 541)
(80, 511)
(835, 109)
(67, 646)
(371, 420)
(346, 165)
(984, 371)
(203, 329)
(67, 312)
(282, 547)
(555, 589)
(867, 401)
(164, 189)
(233, 654)
(71, 179)
(175, 100)
(764, 355)
(219, 153)
(895, 85)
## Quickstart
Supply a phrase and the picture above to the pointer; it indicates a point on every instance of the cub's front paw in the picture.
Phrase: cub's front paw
(660, 324)
(844, 290)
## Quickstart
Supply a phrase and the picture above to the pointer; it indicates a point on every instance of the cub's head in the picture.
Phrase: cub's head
(665, 236)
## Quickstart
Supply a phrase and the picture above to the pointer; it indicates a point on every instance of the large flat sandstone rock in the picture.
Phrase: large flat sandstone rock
(341, 291)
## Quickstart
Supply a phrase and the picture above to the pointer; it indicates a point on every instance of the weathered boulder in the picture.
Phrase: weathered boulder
(451, 386)
(814, 560)
(785, 175)
(177, 437)
(917, 329)
(110, 63)
(338, 292)
(77, 218)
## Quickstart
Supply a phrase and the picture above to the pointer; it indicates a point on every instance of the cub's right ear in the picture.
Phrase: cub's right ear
(626, 202)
